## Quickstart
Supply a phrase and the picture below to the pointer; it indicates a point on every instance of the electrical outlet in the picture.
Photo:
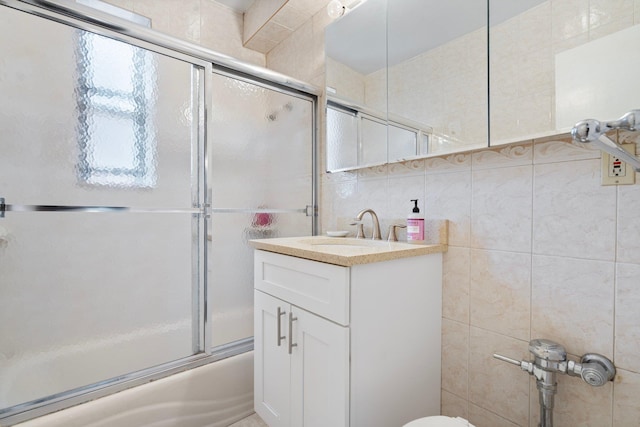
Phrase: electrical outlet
(616, 172)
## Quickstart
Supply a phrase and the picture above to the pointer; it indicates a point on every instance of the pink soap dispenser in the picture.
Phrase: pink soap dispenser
(415, 225)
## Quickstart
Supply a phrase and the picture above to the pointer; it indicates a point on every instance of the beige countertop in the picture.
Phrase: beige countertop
(344, 251)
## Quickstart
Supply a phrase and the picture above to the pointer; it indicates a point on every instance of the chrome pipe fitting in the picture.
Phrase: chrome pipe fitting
(550, 358)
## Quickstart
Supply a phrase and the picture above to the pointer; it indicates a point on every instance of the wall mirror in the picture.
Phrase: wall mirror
(394, 73)
(437, 71)
(553, 63)
(542, 66)
(356, 73)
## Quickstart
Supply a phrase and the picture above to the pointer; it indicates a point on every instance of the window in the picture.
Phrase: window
(115, 93)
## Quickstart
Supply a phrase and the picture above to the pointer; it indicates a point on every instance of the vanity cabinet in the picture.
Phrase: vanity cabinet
(354, 346)
(305, 384)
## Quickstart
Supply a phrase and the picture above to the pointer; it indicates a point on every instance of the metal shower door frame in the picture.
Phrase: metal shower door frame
(309, 210)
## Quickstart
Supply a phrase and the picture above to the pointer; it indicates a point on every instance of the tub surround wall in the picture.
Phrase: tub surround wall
(302, 53)
(203, 22)
(268, 22)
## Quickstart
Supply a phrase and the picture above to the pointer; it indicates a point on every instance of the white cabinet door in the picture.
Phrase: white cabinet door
(272, 363)
(319, 372)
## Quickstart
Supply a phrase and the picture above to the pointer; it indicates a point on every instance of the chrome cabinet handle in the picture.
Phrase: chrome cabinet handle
(291, 343)
(280, 336)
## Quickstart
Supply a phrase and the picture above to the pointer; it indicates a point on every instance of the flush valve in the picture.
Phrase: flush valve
(595, 369)
(550, 358)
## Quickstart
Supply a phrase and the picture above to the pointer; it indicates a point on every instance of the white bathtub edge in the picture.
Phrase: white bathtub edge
(214, 395)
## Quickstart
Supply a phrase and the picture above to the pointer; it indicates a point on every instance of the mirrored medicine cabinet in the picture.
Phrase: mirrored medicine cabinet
(407, 79)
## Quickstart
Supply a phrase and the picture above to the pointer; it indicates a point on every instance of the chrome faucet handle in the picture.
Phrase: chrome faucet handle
(359, 228)
(392, 236)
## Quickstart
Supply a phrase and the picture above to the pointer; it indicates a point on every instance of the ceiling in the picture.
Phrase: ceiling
(358, 39)
(237, 5)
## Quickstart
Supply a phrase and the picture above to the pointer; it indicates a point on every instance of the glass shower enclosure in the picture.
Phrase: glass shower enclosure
(102, 186)
(132, 176)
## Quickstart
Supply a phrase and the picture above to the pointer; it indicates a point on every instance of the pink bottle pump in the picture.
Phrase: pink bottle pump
(415, 225)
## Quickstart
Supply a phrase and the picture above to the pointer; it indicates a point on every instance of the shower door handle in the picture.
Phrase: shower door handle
(6, 207)
(281, 313)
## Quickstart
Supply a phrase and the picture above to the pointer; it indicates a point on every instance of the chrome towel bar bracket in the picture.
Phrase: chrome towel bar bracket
(594, 131)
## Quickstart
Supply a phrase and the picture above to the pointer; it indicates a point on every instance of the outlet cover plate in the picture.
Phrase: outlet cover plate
(616, 172)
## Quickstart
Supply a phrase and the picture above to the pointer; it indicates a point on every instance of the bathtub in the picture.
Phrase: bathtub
(214, 395)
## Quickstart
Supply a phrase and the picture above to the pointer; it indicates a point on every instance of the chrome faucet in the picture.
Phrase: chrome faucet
(376, 224)
(393, 236)
(550, 358)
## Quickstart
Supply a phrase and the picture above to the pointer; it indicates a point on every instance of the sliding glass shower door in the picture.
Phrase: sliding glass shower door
(126, 206)
(261, 166)
(101, 208)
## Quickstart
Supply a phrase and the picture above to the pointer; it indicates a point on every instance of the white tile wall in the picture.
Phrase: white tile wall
(448, 197)
(540, 262)
(628, 222)
(577, 404)
(500, 296)
(627, 317)
(455, 357)
(494, 386)
(626, 411)
(481, 417)
(202, 22)
(456, 284)
(573, 214)
(501, 208)
(575, 294)
(454, 406)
